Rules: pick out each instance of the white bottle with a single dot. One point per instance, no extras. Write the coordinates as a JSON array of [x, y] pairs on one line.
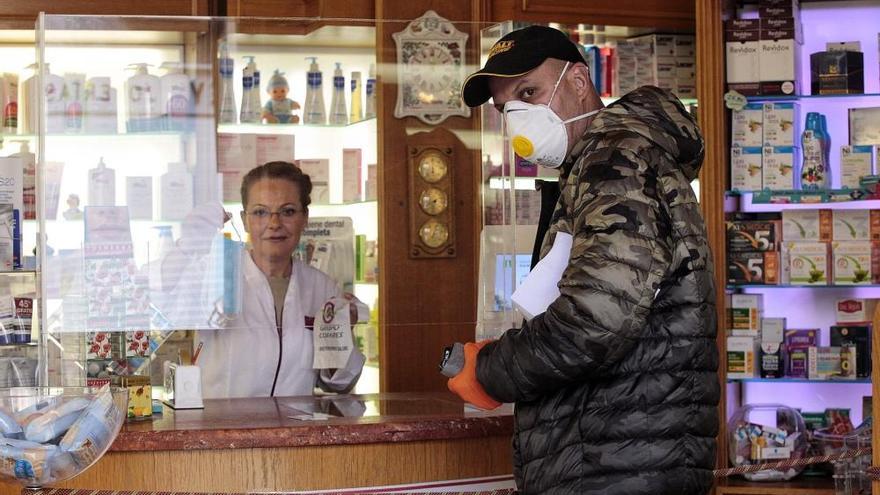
[[100, 109], [177, 97], [176, 192], [74, 102], [102, 185], [28, 180], [249, 114], [227, 95], [370, 112], [357, 113], [255, 94], [338, 112], [314, 112], [142, 100], [9, 104]]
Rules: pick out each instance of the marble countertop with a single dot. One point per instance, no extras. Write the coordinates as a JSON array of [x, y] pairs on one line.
[[311, 421]]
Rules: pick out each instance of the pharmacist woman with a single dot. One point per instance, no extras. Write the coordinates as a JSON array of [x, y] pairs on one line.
[[267, 350]]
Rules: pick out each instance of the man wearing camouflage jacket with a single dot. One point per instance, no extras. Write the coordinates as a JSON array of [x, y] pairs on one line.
[[615, 384]]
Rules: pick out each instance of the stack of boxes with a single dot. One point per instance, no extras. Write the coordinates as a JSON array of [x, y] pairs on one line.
[[663, 60], [759, 346], [762, 54], [764, 152]]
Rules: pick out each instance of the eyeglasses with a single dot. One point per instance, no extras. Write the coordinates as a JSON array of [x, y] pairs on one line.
[[261, 214]]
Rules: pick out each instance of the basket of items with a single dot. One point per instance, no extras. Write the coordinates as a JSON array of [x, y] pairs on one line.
[[761, 433], [53, 434]]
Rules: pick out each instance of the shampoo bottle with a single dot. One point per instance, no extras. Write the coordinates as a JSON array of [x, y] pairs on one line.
[[338, 112], [314, 112], [814, 171], [28, 180], [142, 96], [176, 97], [176, 194], [102, 185], [370, 112], [250, 114], [255, 93], [227, 95], [356, 112]]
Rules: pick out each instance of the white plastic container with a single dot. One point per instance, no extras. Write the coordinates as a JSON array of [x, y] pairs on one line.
[[370, 107], [250, 113], [102, 185], [357, 113], [29, 180], [176, 192], [74, 102]]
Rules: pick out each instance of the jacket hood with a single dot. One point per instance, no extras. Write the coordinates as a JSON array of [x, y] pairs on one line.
[[666, 123]]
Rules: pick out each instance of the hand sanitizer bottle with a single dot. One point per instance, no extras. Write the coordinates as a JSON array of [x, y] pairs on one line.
[[227, 95], [338, 112], [142, 104], [314, 112], [370, 112]]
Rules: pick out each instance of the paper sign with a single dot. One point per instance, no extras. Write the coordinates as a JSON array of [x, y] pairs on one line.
[[332, 335]]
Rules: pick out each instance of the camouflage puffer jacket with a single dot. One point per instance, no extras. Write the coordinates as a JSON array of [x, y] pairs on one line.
[[615, 384]]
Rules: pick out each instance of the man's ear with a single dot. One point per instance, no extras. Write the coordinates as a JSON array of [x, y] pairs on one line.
[[579, 76]]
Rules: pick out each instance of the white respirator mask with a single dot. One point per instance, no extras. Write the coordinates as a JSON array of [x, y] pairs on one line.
[[536, 132]]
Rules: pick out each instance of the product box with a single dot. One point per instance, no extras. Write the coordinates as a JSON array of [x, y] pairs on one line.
[[852, 262], [829, 363], [745, 168], [855, 162], [139, 197], [778, 61], [742, 40], [806, 225], [747, 126], [372, 185], [778, 168], [851, 311], [351, 175], [851, 225], [318, 170], [772, 336], [778, 8], [864, 126], [797, 343], [837, 72], [809, 263], [858, 336], [744, 314], [779, 123], [753, 235], [741, 357], [753, 268]]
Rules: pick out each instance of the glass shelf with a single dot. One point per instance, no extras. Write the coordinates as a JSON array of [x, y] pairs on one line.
[[120, 135], [278, 128], [26, 344], [799, 286], [806, 197], [795, 380], [808, 97], [7, 273]]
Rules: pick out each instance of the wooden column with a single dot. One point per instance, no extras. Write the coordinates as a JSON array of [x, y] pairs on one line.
[[713, 177], [424, 304]]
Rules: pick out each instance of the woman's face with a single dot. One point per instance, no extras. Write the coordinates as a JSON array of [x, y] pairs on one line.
[[275, 217]]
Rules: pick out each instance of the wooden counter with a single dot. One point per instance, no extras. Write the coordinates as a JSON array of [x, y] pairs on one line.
[[305, 443]]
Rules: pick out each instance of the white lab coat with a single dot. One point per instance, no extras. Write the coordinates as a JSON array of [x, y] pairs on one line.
[[241, 359]]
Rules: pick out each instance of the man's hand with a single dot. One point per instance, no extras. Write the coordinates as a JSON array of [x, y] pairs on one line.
[[465, 384]]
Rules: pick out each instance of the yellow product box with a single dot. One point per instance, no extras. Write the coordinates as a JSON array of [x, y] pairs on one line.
[[809, 263], [140, 400], [741, 357], [852, 262], [745, 311]]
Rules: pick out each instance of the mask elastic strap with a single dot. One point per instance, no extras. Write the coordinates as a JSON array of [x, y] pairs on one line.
[[555, 87], [579, 117]]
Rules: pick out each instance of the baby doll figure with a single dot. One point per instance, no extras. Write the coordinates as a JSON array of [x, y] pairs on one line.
[[279, 109]]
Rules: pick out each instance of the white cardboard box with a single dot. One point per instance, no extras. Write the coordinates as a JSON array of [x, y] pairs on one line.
[[747, 126], [809, 263], [745, 168], [778, 168], [855, 163], [852, 262], [779, 123], [851, 225]]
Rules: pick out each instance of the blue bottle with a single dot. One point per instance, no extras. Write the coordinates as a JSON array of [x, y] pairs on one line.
[[814, 171], [826, 148]]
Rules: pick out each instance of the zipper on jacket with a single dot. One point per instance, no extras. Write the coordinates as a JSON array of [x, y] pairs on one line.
[[280, 350]]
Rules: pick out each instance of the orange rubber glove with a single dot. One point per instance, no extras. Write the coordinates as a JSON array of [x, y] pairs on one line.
[[465, 384]]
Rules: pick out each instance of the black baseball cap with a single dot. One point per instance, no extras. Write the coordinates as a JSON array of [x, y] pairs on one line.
[[516, 54]]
